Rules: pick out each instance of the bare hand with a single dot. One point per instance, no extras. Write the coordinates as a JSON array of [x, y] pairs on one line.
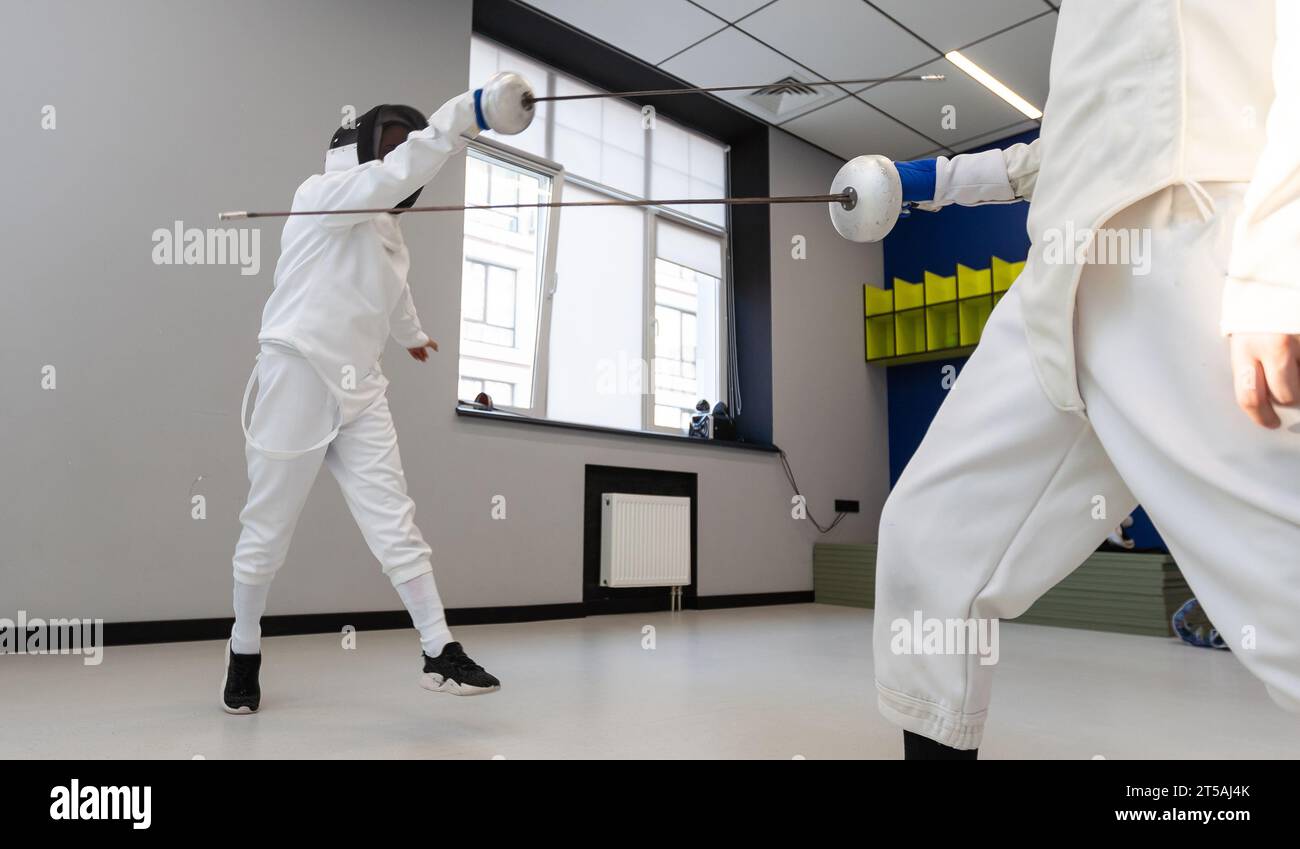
[[420, 353], [1265, 371]]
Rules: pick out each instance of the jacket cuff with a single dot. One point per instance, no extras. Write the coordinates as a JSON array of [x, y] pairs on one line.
[[970, 179], [1250, 306], [418, 341], [457, 117]]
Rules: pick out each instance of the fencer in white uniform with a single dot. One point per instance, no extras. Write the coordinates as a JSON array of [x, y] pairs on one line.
[[1164, 374], [340, 291]]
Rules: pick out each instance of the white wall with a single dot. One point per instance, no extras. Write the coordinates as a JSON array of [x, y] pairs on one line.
[[171, 111], [830, 414]]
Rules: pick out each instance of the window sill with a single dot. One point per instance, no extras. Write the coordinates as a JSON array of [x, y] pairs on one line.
[[514, 418]]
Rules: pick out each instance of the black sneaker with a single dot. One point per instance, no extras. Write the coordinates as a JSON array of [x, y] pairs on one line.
[[453, 672], [240, 692]]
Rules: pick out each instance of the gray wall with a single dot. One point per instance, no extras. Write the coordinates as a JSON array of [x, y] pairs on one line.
[[173, 111]]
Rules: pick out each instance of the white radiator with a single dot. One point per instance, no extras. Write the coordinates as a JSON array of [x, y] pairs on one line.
[[645, 540]]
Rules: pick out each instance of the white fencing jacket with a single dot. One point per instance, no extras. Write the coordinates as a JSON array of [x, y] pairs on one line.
[[340, 283], [1147, 94]]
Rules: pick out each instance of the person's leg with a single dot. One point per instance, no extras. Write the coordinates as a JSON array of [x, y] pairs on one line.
[[1223, 493], [918, 748], [420, 597], [368, 466], [1005, 496], [294, 409], [365, 460]]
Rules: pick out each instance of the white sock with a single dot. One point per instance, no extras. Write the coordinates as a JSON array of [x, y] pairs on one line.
[[420, 595], [250, 604]]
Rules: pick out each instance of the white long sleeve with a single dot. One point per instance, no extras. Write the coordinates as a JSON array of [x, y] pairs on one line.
[[1262, 291], [404, 323], [970, 179], [1022, 168], [385, 183], [341, 286]]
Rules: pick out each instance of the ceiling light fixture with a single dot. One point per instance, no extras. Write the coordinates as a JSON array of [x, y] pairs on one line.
[[993, 84]]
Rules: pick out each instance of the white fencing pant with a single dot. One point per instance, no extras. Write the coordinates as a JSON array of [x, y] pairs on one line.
[[999, 502], [295, 410]]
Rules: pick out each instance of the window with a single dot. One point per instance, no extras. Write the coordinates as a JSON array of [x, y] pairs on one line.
[[488, 304], [501, 280], [686, 349], [675, 344], [610, 316]]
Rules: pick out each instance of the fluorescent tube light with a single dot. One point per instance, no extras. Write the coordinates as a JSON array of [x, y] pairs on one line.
[[993, 84]]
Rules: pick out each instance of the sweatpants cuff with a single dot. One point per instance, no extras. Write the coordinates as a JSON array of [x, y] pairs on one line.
[[942, 725], [402, 574]]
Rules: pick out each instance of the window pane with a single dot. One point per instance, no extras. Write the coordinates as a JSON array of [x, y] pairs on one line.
[[623, 156], [686, 361], [578, 150], [596, 371], [599, 326], [687, 164], [671, 417], [472, 291], [476, 181], [671, 145], [600, 140], [501, 297], [501, 291], [469, 388], [503, 394], [668, 339], [688, 337], [691, 248], [708, 161]]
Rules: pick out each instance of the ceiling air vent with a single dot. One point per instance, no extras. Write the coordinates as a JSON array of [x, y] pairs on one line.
[[787, 96]]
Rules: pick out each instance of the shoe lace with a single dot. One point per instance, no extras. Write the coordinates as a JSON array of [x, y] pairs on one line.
[[462, 662]]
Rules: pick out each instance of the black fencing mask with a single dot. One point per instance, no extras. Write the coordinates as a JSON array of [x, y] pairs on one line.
[[354, 145]]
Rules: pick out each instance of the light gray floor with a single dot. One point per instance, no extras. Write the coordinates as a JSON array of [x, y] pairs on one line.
[[769, 682]]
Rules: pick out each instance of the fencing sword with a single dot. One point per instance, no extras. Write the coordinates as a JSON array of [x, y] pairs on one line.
[[791, 87], [848, 199]]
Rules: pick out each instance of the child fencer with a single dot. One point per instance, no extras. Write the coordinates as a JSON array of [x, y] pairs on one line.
[[1149, 353], [340, 291]]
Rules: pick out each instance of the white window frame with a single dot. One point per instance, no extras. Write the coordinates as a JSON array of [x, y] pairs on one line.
[[648, 308], [494, 149], [514, 298], [541, 360]]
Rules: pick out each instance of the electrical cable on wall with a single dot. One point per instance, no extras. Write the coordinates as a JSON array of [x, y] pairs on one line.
[[785, 464]]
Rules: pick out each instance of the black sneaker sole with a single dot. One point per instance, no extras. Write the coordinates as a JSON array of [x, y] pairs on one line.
[[435, 683]]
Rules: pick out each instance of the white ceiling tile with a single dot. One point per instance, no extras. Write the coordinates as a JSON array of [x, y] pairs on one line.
[[732, 9], [948, 25], [923, 106], [849, 128], [839, 39], [649, 31], [1020, 58], [733, 58]]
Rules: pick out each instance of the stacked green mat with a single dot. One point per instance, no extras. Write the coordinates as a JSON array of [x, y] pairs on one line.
[[1112, 591], [844, 574]]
